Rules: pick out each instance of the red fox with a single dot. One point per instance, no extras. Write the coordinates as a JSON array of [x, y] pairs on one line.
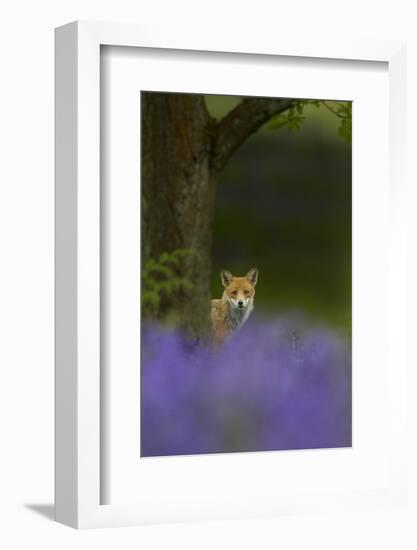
[[229, 313]]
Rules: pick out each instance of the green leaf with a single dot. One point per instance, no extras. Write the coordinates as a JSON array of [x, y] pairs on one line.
[[150, 298], [294, 116], [162, 277]]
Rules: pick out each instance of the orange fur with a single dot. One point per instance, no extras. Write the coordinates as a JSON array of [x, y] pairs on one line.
[[228, 313]]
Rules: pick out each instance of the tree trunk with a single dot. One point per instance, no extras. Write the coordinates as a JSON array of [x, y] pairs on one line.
[[177, 196]]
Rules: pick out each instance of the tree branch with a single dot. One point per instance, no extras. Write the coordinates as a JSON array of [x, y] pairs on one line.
[[240, 123]]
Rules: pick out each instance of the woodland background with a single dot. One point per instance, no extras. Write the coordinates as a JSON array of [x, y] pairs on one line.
[[232, 182]]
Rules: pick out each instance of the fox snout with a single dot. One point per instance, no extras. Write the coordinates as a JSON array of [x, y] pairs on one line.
[[239, 303]]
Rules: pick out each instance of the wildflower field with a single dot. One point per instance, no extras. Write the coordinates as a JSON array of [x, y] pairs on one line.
[[278, 384]]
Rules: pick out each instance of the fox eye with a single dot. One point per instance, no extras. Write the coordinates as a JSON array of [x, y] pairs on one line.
[[234, 293], [246, 292]]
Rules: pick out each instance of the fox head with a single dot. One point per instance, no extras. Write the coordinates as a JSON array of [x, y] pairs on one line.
[[240, 291]]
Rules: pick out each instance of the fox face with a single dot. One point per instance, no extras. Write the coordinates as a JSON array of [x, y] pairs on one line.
[[240, 291], [229, 313]]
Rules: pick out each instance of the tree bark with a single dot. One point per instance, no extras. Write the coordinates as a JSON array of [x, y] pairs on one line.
[[177, 196], [182, 151], [241, 122]]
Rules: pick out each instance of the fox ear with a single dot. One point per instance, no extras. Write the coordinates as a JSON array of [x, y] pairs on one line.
[[252, 276], [226, 277]]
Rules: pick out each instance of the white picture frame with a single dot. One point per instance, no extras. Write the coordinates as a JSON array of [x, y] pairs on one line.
[[78, 427]]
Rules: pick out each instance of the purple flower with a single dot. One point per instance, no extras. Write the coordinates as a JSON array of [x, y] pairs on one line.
[[277, 384]]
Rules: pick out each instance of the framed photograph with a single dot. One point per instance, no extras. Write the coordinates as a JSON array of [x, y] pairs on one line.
[[230, 275]]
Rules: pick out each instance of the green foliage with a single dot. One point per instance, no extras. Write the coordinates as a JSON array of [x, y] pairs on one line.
[[162, 278], [291, 118], [343, 110], [294, 116]]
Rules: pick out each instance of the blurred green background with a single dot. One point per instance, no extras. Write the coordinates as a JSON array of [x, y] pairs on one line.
[[284, 205]]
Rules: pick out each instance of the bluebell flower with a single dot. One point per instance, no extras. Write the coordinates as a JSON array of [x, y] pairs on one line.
[[278, 384]]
